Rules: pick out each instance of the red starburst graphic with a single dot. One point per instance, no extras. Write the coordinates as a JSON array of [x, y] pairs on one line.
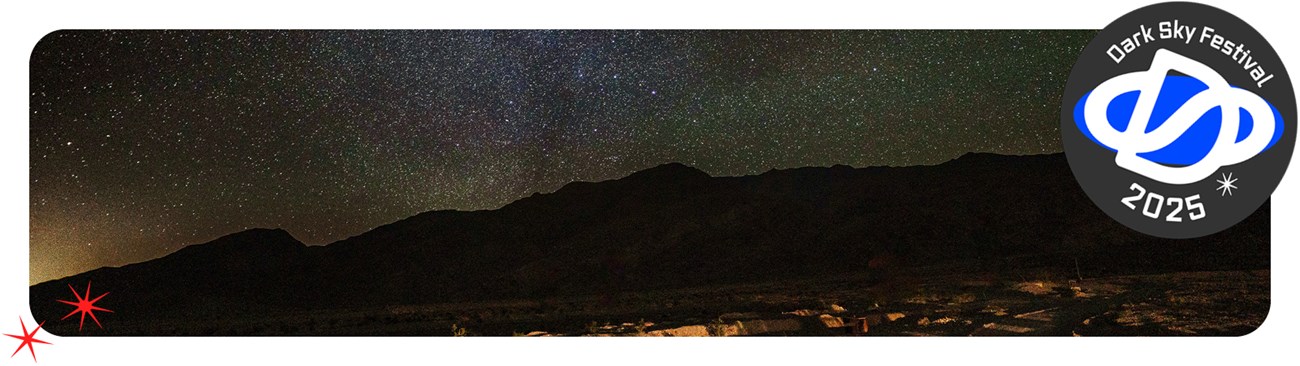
[[28, 339], [85, 306]]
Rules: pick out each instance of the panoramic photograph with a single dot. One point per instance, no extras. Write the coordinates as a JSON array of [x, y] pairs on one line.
[[591, 183]]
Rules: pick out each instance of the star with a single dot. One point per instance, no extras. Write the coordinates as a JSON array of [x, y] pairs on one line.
[[1225, 184], [404, 113], [85, 306], [28, 339]]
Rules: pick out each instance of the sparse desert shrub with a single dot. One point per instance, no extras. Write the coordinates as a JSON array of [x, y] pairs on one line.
[[1035, 287], [640, 328], [720, 328], [963, 299], [457, 331]]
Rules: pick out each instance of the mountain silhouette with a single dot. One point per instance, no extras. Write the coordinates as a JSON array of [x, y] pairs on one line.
[[670, 226]]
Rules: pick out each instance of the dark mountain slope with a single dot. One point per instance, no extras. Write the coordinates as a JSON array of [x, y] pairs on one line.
[[667, 227]]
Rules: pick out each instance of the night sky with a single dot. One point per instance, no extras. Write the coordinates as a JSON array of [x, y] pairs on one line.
[[146, 141]]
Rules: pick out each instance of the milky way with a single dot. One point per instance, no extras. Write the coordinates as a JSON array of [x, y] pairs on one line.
[[145, 141]]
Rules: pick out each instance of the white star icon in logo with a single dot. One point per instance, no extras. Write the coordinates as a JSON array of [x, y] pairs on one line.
[[1225, 184]]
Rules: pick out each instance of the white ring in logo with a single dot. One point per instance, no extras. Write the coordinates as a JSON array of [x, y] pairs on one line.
[[1135, 140]]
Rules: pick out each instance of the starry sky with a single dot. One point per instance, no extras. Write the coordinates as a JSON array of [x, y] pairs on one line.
[[145, 141]]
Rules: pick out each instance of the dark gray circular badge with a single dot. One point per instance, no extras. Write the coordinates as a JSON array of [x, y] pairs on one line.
[[1178, 120]]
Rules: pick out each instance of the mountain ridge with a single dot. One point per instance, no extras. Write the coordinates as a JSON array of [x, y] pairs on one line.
[[671, 226]]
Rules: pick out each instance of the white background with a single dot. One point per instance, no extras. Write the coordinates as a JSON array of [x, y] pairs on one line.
[[24, 24]]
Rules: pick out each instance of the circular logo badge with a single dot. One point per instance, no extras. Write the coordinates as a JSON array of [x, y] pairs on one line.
[[1178, 120]]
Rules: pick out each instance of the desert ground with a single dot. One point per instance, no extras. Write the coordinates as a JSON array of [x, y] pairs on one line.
[[930, 302]]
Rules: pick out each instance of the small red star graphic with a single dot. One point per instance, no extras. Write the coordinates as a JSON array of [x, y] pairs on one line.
[[84, 306], [28, 339]]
